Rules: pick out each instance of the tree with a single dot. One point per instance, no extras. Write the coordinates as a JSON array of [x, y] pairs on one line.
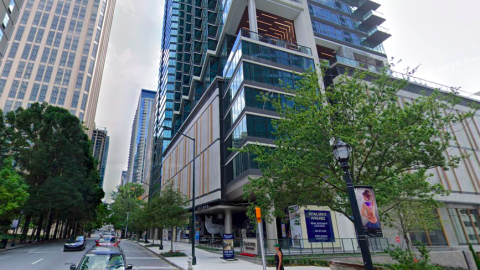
[[13, 190], [54, 156], [413, 216], [126, 199], [169, 210], [393, 146]]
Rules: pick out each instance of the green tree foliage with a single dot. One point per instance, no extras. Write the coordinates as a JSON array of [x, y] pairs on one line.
[[475, 255], [169, 210], [392, 146], [54, 156], [126, 199], [13, 190]]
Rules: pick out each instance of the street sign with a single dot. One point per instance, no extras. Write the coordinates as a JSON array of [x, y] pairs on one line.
[[228, 248], [397, 239], [15, 224]]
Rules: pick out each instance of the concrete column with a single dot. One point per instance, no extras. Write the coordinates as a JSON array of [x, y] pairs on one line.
[[272, 236], [252, 16], [228, 221]]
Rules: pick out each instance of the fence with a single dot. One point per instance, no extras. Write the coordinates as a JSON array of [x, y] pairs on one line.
[[310, 246]]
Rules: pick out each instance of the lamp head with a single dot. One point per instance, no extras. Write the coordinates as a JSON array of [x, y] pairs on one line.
[[341, 150]]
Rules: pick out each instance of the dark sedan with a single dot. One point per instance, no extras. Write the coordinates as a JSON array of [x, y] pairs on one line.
[[75, 243]]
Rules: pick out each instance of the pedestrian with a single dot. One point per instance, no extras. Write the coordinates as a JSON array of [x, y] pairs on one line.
[[278, 258]]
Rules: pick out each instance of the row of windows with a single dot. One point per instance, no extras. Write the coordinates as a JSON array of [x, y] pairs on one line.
[[251, 125], [466, 223], [239, 164], [332, 17], [271, 76]]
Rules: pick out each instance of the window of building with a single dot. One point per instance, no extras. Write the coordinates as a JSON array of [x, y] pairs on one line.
[[7, 68], [46, 53], [71, 60], [55, 21], [11, 6], [6, 20], [50, 38], [26, 51], [44, 20], [63, 58], [83, 63], [49, 5], [66, 77], [18, 104], [58, 39], [25, 16], [466, 223], [61, 98], [8, 106], [59, 76], [87, 83], [13, 50], [84, 101], [32, 33], [40, 71], [79, 82], [36, 19], [53, 56], [54, 96], [33, 55], [43, 94], [28, 71], [76, 96], [2, 86], [75, 43], [20, 69], [14, 89], [19, 34], [39, 37], [58, 10], [61, 24], [23, 90], [48, 74]]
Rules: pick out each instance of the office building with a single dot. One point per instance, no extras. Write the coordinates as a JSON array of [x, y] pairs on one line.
[[56, 55], [218, 56], [9, 12], [123, 178], [100, 140], [138, 141]]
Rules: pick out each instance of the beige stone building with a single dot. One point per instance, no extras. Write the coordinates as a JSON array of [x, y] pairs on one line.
[[56, 55]]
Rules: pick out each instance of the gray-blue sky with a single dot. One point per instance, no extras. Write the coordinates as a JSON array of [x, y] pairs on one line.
[[441, 36]]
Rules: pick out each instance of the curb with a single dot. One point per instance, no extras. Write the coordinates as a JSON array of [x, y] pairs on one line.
[[164, 258]]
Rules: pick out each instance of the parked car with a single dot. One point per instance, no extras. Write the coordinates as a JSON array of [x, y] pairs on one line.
[[107, 241], [75, 243], [103, 258]]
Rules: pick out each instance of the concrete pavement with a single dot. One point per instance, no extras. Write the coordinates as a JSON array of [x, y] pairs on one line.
[[213, 261], [50, 256]]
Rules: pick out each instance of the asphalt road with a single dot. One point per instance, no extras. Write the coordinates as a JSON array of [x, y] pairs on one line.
[[50, 256]]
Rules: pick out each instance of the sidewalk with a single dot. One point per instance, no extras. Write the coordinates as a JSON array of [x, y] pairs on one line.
[[213, 261]]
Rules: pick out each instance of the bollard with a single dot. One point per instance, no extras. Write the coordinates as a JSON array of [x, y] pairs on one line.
[[190, 260]]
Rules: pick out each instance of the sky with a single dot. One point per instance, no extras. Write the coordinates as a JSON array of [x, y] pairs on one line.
[[439, 35]]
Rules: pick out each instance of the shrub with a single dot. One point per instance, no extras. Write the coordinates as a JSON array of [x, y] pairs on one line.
[[173, 254], [409, 261]]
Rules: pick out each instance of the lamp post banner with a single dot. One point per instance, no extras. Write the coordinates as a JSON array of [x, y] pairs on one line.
[[367, 205]]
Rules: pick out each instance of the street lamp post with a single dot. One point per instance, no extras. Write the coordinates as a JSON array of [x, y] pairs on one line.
[[18, 224], [342, 153], [192, 229], [126, 227]]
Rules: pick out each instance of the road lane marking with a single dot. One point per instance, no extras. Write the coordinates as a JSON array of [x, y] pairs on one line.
[[37, 261], [33, 249], [143, 258], [155, 267]]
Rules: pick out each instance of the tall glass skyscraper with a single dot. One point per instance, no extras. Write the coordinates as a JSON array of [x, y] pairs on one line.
[[101, 143], [219, 56], [140, 128], [57, 55]]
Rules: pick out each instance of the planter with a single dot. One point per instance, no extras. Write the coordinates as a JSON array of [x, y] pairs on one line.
[[334, 265]]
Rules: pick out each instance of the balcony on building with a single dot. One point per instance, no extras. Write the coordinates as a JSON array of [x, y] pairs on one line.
[[371, 19], [364, 6], [376, 36]]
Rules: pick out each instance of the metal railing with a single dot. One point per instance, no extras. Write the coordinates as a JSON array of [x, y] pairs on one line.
[[378, 28], [310, 246], [275, 41]]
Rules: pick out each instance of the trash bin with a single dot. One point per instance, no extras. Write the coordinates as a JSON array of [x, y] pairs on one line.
[[3, 243]]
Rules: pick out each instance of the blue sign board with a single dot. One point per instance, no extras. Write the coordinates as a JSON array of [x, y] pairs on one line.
[[228, 249], [319, 226]]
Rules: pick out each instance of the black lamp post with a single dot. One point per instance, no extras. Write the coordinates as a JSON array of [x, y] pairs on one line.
[[342, 151], [192, 229]]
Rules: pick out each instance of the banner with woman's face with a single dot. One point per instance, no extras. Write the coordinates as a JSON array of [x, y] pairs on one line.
[[368, 210]]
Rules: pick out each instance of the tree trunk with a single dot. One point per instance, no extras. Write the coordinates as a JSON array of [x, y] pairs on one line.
[[75, 228], [66, 229], [33, 234], [48, 226], [171, 242], [39, 227], [62, 227], [56, 229], [25, 228]]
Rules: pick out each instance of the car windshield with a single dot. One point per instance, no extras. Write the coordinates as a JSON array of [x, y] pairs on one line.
[[79, 238], [102, 262], [108, 240]]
